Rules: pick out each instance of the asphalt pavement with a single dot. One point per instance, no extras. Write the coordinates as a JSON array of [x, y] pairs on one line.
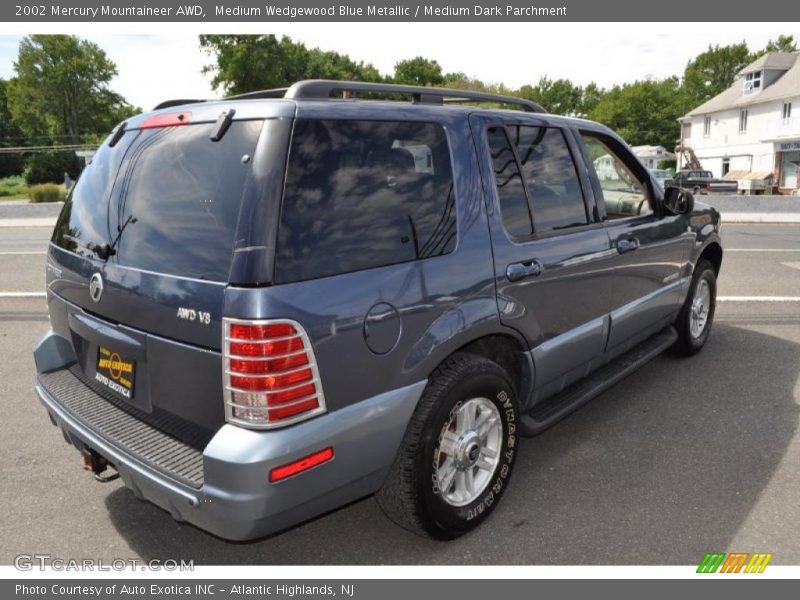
[[684, 457]]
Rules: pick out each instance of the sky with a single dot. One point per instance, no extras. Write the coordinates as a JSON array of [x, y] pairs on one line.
[[156, 63]]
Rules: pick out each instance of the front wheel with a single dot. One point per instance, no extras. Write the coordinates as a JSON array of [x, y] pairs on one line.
[[696, 316], [456, 457]]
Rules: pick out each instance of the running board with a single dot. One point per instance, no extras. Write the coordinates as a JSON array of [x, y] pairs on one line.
[[553, 409]]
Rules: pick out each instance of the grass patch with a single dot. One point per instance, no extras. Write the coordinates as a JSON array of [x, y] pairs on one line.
[[46, 192], [13, 188]]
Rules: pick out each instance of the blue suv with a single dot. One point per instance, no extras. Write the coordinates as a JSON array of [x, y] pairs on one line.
[[268, 306]]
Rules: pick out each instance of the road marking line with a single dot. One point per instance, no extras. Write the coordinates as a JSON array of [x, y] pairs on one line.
[[762, 250], [758, 298], [19, 253], [22, 294]]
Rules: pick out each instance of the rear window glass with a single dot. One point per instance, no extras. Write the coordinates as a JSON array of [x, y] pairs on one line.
[[178, 211], [83, 221], [363, 194]]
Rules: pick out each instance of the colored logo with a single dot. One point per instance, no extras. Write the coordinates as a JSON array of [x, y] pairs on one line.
[[735, 562]]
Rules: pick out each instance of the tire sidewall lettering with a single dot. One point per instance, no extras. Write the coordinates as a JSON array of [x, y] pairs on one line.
[[494, 488]]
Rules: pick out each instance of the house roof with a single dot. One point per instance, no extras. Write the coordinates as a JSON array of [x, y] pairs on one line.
[[784, 87], [652, 151], [773, 60]]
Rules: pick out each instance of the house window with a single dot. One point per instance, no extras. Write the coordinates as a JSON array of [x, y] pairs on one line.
[[743, 121], [707, 126], [752, 82], [786, 113]]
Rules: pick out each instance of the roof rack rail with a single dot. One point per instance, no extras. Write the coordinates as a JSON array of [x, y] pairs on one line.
[[178, 102], [321, 89], [273, 93]]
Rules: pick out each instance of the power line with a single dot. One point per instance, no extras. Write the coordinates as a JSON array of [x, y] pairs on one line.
[[34, 149]]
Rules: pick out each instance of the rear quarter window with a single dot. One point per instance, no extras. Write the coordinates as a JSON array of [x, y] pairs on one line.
[[364, 194]]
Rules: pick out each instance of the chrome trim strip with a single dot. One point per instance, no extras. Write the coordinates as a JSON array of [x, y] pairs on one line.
[[274, 374]]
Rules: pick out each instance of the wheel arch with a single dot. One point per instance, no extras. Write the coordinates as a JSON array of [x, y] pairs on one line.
[[713, 254], [506, 350]]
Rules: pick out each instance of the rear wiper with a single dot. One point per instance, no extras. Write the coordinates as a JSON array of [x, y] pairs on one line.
[[105, 250]]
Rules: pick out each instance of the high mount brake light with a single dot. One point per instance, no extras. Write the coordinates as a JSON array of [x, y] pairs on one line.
[[270, 374], [166, 120]]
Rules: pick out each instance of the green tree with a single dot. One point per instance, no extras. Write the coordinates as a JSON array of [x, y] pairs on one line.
[[247, 63], [713, 71], [592, 95], [418, 71], [62, 89], [558, 96], [50, 166], [643, 112], [783, 43], [10, 136]]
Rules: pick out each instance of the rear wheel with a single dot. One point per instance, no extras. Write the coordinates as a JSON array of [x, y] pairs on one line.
[[456, 457], [696, 316]]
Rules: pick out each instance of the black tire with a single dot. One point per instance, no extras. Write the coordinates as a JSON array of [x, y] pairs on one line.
[[688, 342], [697, 191], [410, 496]]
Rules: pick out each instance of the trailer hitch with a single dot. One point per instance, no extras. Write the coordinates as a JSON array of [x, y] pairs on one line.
[[98, 464]]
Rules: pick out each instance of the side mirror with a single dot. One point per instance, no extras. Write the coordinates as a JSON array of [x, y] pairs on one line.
[[678, 201]]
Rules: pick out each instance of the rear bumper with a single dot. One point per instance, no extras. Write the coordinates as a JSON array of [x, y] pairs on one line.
[[236, 500]]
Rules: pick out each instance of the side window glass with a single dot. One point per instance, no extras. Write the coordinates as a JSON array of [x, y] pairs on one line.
[[623, 193], [551, 177], [514, 208], [364, 194]]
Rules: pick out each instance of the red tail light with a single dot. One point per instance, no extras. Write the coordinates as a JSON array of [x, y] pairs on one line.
[[270, 374]]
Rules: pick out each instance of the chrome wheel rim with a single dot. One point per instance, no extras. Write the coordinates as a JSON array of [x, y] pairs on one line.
[[468, 451], [701, 306]]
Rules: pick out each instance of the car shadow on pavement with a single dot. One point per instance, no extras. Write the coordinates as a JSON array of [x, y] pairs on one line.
[[664, 467]]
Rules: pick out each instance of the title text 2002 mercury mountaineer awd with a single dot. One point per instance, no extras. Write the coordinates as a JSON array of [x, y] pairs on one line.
[[266, 307]]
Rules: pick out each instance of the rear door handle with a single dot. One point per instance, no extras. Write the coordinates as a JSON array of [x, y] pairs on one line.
[[522, 270], [627, 245]]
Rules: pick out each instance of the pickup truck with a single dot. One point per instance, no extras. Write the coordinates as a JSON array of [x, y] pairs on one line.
[[703, 182]]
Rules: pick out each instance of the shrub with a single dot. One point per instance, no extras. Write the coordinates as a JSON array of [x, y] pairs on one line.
[[49, 167], [13, 187], [669, 163], [46, 192]]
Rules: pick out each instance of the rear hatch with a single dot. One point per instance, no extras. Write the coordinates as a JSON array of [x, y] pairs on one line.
[[141, 255]]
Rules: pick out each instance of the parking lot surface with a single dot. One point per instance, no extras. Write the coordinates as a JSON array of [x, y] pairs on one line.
[[684, 457]]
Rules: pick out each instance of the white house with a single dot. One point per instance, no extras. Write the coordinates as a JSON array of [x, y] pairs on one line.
[[753, 127], [652, 155], [649, 155]]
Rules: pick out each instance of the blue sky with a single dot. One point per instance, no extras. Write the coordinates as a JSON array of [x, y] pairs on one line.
[[156, 66]]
